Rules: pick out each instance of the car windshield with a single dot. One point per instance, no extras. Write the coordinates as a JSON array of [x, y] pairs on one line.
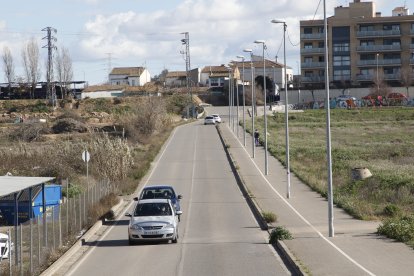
[[209, 117], [166, 193], [153, 209]]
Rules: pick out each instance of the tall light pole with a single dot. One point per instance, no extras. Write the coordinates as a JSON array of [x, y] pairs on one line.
[[253, 98], [237, 110], [377, 75], [244, 102], [229, 95], [186, 41], [232, 94], [328, 128], [265, 103], [286, 107]]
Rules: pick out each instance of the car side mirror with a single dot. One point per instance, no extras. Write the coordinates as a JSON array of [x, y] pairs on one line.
[[135, 198], [128, 215], [179, 213], [179, 196]]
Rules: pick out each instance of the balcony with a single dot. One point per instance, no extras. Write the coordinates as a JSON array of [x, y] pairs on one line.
[[365, 77], [411, 60], [378, 48], [312, 50], [380, 33], [412, 31], [375, 62], [313, 64], [412, 46], [392, 76], [316, 36], [312, 79]]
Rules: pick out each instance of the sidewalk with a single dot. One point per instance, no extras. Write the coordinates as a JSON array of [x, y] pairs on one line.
[[355, 249]]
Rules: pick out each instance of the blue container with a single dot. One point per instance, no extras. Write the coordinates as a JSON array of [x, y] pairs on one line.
[[53, 196]]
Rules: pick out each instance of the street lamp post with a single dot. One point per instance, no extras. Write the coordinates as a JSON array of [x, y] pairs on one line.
[[265, 103], [253, 98], [286, 107], [377, 75], [244, 102], [229, 95]]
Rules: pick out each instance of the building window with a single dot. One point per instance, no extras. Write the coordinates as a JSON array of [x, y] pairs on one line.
[[320, 30], [321, 59], [392, 56], [133, 82], [307, 30], [321, 44], [389, 27], [341, 60], [392, 42], [342, 75], [364, 28], [308, 45], [308, 73], [367, 42], [341, 47], [308, 59], [367, 57]]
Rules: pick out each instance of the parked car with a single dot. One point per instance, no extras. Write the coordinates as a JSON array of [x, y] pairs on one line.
[[345, 98], [217, 118], [4, 246], [396, 96], [209, 120], [161, 191], [153, 220]]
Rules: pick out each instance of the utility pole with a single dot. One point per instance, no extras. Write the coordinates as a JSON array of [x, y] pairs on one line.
[[50, 93], [109, 66], [186, 41]]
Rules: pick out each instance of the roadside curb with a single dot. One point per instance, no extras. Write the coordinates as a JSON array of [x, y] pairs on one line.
[[51, 270], [280, 246]]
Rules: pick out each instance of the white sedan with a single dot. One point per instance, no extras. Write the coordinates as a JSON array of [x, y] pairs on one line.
[[217, 118]]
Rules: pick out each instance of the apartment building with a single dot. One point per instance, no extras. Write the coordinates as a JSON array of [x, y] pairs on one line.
[[364, 47]]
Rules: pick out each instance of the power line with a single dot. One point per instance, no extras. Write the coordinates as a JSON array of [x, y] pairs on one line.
[[293, 44]]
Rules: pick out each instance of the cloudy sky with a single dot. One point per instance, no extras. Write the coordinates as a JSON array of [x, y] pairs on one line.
[[148, 33]]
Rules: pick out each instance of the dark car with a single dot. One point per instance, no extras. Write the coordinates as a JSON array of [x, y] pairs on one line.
[[162, 191]]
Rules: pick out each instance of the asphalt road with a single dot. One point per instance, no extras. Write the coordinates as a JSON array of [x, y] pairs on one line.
[[218, 234]]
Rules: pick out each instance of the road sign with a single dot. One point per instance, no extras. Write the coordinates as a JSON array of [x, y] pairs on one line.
[[86, 156]]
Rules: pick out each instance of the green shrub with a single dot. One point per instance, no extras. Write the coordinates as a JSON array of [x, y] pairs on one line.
[[392, 210], [279, 233], [269, 217], [72, 191], [400, 229], [40, 107]]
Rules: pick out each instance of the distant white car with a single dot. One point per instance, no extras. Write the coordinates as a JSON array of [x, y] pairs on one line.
[[4, 246], [209, 120], [345, 98], [217, 118]]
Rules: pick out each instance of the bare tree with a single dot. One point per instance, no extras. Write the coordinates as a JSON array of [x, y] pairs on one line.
[[8, 66], [64, 71], [30, 57], [406, 79]]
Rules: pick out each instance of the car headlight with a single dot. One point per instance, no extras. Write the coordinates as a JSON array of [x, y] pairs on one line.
[[169, 226], [136, 227]]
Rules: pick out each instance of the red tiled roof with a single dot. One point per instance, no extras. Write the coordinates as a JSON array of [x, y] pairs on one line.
[[130, 71]]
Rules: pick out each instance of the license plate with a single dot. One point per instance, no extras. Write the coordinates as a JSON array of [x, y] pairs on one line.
[[151, 232]]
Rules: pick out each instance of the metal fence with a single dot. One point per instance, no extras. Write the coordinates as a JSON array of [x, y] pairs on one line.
[[41, 240]]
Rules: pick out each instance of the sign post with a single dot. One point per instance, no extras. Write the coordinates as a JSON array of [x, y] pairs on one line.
[[86, 157]]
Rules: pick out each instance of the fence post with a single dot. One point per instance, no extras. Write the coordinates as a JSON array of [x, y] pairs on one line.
[[80, 212], [38, 241], [84, 207], [10, 256], [53, 228], [60, 226], [31, 246], [21, 248], [74, 214]]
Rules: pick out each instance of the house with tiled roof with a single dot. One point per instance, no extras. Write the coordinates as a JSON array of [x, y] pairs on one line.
[[274, 70], [215, 76], [176, 79], [131, 76]]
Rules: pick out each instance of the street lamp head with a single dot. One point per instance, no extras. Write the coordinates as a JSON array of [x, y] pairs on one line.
[[277, 21], [259, 41], [240, 56], [248, 50]]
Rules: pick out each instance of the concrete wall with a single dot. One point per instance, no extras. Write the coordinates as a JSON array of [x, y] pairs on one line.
[[320, 95]]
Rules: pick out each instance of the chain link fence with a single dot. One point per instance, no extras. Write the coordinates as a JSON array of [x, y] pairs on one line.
[[38, 242]]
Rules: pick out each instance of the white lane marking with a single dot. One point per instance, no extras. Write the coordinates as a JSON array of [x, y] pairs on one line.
[[300, 216], [187, 223], [83, 258]]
